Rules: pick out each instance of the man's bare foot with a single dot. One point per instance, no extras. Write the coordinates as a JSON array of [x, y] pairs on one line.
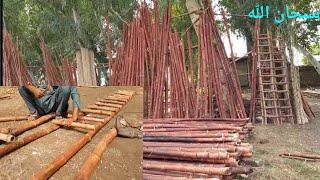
[[33, 117]]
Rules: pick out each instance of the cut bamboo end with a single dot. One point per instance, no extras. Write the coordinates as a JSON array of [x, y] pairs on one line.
[[6, 137], [19, 143], [74, 124]]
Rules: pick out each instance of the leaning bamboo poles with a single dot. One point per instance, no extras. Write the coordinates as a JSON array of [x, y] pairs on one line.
[[62, 159], [53, 75], [128, 68], [168, 90], [69, 73], [195, 148], [14, 69], [93, 159]]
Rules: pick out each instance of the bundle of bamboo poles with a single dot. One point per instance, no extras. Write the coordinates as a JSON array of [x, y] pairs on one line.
[[128, 68], [15, 72], [149, 43], [196, 147], [53, 76], [69, 73]]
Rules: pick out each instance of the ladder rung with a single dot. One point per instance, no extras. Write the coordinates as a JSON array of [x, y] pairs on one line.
[[282, 67], [285, 107], [277, 83], [277, 75], [277, 91], [276, 99]]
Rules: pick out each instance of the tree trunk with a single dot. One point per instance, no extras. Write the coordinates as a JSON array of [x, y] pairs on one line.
[[300, 114], [86, 74], [193, 7]]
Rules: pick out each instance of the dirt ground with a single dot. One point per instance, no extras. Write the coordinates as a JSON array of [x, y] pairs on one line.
[[270, 140], [121, 160]]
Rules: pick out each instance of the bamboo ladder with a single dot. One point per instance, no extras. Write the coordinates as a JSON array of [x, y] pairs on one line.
[[273, 80]]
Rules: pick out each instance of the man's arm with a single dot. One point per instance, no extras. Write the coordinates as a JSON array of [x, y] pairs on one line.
[[38, 93]]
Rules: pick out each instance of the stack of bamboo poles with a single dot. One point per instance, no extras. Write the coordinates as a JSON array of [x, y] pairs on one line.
[[14, 70], [195, 148], [218, 78], [53, 76], [107, 107]]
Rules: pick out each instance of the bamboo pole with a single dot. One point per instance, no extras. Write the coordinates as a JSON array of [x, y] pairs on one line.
[[185, 167], [5, 96], [88, 118], [6, 137], [50, 169], [93, 159], [191, 155], [6, 149], [75, 125], [303, 155], [108, 104], [13, 118], [108, 113], [32, 124], [103, 108]]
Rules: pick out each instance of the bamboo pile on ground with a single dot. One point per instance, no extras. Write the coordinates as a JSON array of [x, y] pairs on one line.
[[196, 147]]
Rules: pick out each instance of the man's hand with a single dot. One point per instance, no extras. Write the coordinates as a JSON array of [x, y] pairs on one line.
[[68, 122], [38, 93]]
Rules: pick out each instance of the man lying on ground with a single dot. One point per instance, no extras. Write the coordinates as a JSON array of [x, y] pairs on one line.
[[42, 101]]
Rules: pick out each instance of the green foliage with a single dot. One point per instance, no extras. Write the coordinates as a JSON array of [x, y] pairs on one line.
[[315, 50], [54, 20]]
